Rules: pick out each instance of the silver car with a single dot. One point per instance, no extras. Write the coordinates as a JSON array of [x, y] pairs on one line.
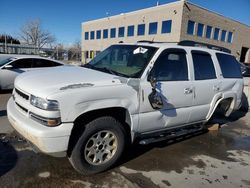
[[13, 65]]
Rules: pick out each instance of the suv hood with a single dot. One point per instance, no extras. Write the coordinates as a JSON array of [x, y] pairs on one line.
[[43, 83]]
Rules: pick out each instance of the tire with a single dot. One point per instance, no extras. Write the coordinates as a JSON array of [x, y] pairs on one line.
[[89, 156]]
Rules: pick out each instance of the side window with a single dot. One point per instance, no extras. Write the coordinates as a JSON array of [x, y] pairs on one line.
[[203, 66], [171, 65], [230, 67], [39, 63], [22, 63]]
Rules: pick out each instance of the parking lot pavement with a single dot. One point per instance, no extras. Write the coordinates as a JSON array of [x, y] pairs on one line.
[[206, 159], [4, 124]]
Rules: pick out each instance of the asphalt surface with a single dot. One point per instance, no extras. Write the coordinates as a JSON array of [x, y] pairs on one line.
[[219, 158]]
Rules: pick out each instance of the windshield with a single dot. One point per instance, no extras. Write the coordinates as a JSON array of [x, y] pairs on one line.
[[5, 60], [123, 60]]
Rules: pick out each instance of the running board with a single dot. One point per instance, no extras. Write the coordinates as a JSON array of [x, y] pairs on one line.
[[171, 134]]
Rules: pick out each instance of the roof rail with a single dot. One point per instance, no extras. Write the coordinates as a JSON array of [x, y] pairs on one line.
[[149, 41], [200, 44]]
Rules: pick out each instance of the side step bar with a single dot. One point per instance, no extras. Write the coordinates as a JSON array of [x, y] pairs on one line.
[[167, 135]]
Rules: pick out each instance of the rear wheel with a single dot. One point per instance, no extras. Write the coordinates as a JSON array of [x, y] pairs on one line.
[[99, 147]]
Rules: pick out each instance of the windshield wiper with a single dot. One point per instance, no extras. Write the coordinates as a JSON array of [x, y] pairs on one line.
[[104, 69]]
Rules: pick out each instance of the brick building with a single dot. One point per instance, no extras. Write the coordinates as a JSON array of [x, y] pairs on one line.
[[172, 22]]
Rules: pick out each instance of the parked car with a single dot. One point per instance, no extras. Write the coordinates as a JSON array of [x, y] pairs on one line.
[[143, 92], [245, 70], [13, 65]]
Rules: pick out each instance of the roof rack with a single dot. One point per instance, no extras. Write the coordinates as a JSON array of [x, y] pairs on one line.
[[150, 41], [191, 43], [205, 45]]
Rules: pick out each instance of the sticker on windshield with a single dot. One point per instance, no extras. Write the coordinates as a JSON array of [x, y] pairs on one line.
[[140, 50]]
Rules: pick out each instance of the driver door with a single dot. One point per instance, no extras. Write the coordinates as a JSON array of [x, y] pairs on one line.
[[173, 86]]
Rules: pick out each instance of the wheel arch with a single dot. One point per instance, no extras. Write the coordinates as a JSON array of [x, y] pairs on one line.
[[119, 113], [219, 99]]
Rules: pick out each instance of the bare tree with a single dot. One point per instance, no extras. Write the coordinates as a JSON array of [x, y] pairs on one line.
[[75, 51], [33, 33]]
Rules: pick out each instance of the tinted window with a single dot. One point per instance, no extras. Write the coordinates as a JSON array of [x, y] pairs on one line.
[[190, 28], [216, 33], [105, 33], [86, 35], [152, 28], [121, 32], [230, 37], [223, 35], [203, 66], [166, 26], [171, 66], [22, 63], [208, 32], [38, 63], [112, 33], [130, 30], [141, 29], [98, 34], [230, 67], [200, 29], [92, 35]]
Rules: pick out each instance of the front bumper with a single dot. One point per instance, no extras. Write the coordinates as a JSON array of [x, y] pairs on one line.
[[49, 140]]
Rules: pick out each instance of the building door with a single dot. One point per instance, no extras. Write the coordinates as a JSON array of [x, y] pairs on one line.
[[243, 54]]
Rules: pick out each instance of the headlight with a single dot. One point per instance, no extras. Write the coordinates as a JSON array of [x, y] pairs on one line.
[[44, 104]]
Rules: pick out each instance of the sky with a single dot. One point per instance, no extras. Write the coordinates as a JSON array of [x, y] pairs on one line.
[[63, 18]]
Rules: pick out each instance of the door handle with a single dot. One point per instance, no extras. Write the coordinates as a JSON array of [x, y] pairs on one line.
[[216, 88], [188, 91]]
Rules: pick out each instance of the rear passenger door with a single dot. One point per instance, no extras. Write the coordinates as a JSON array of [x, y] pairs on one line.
[[205, 83]]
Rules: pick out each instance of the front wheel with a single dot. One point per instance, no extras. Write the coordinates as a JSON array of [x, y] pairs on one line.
[[99, 147]]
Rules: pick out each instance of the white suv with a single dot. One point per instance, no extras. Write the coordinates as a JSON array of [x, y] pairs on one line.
[[144, 91]]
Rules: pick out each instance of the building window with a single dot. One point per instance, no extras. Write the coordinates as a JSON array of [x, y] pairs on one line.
[[223, 35], [98, 34], [86, 35], [105, 33], [92, 35], [208, 32], [152, 28], [112, 33], [190, 28], [216, 33], [121, 32], [166, 26], [130, 31], [200, 29], [141, 29], [230, 37]]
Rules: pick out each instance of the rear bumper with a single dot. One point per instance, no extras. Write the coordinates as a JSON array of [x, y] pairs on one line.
[[49, 140]]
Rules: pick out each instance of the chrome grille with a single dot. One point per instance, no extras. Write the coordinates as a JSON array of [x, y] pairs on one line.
[[21, 94], [22, 108]]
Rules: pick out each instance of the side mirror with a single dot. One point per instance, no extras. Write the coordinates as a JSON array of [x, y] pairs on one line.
[[152, 80], [154, 97], [8, 67]]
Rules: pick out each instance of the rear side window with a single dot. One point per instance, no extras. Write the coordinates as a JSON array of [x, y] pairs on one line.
[[38, 63], [171, 66], [230, 67], [22, 63], [203, 66]]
